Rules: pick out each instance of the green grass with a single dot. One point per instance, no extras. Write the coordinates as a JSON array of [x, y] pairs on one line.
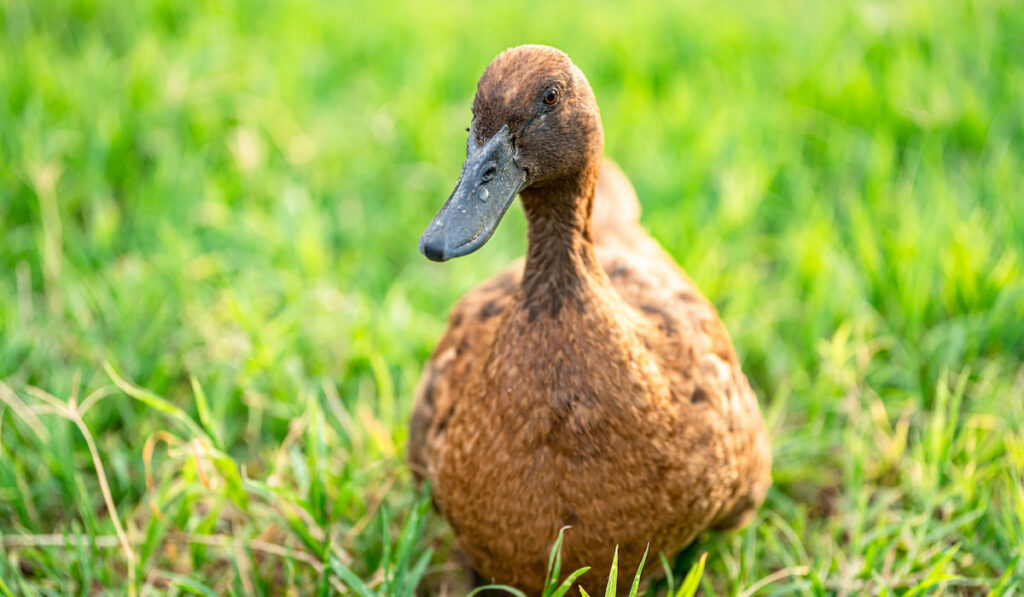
[[213, 313]]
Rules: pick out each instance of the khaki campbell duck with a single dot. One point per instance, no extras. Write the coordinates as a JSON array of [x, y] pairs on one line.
[[591, 387]]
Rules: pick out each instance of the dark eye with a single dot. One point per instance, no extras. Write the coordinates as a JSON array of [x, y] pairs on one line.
[[550, 96]]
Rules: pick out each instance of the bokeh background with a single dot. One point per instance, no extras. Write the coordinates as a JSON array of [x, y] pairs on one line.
[[213, 313]]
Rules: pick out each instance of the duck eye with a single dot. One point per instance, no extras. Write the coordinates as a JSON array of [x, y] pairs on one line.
[[550, 96]]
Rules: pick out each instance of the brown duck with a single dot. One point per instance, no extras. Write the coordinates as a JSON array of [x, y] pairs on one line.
[[592, 387]]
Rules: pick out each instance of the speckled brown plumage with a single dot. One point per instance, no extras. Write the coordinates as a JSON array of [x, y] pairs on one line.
[[591, 387]]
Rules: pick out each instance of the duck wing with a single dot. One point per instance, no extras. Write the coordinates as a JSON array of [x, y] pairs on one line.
[[686, 332]]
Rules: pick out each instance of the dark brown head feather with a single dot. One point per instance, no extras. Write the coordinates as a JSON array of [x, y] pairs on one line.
[[551, 141]]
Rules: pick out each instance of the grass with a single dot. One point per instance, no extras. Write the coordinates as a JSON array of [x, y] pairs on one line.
[[213, 313]]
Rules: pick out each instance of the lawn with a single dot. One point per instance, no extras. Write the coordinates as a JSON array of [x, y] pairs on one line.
[[213, 313]]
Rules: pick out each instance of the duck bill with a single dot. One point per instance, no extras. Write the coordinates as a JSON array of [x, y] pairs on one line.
[[490, 180]]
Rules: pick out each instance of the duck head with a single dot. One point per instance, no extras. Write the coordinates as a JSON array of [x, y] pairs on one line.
[[535, 124]]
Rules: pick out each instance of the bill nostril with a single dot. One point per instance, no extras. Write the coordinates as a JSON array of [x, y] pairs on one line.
[[488, 174]]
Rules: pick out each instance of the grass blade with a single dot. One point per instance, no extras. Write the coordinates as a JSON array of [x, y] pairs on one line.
[[935, 575], [1008, 577], [153, 401], [554, 562], [412, 530], [385, 546], [567, 583], [636, 579], [416, 574], [670, 578], [228, 469], [189, 585], [692, 580], [203, 410], [506, 588], [613, 575], [3, 587], [350, 579]]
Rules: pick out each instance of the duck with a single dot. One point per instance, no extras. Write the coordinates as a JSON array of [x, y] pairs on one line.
[[590, 387]]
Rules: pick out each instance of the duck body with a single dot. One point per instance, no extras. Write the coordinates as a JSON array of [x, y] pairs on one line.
[[590, 387]]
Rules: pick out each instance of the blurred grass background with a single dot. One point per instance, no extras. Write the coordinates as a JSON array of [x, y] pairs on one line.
[[221, 201]]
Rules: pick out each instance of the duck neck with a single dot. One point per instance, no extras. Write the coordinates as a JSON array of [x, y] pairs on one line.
[[561, 265]]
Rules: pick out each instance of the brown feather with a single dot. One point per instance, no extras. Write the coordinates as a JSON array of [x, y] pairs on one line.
[[592, 386]]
